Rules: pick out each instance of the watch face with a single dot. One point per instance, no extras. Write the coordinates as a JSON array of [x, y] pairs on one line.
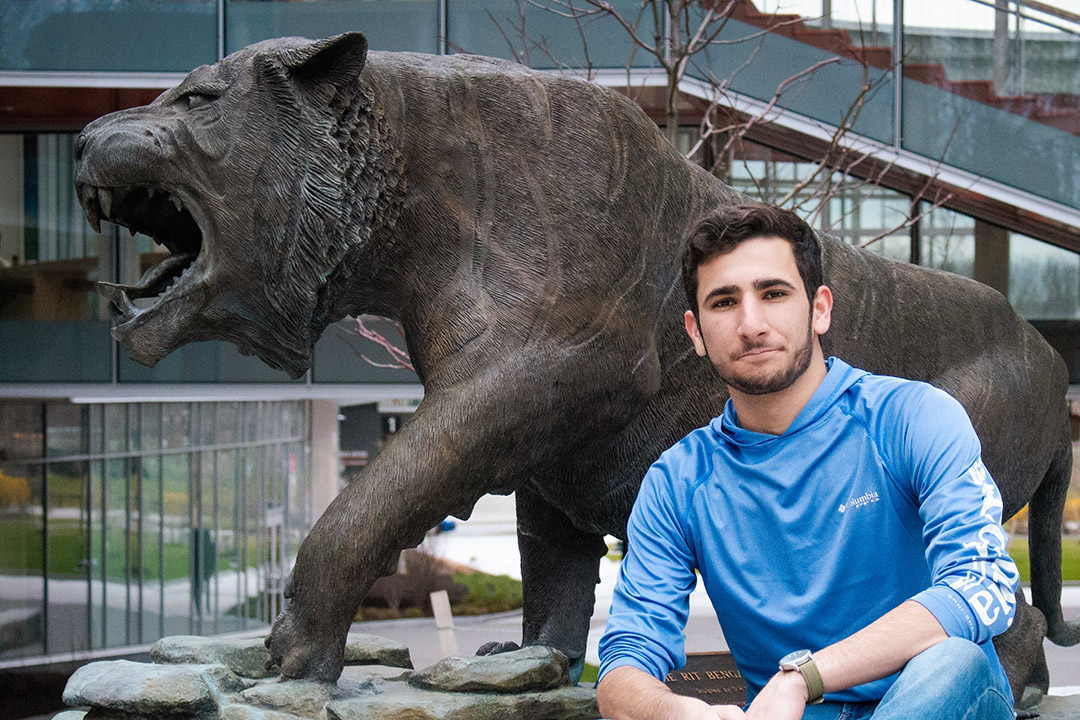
[[795, 658]]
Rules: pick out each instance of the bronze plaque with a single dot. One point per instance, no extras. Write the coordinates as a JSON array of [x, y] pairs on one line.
[[711, 677]]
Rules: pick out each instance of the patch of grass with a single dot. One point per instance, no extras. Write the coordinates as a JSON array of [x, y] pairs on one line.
[[1070, 558], [21, 551], [488, 593], [589, 674], [381, 613], [249, 607]]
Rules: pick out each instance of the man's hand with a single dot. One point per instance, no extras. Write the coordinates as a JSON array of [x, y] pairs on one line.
[[692, 709], [718, 712], [697, 710], [782, 698], [627, 693]]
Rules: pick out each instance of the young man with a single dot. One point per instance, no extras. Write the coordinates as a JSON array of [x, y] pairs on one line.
[[827, 510]]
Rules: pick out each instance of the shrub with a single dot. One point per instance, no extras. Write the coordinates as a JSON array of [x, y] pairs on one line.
[[14, 491]]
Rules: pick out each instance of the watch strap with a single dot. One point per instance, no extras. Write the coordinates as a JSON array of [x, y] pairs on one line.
[[815, 686], [803, 661]]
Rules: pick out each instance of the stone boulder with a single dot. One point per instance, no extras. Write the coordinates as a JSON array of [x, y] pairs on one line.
[[528, 684], [306, 698], [567, 703], [361, 649], [125, 688], [528, 669], [247, 657]]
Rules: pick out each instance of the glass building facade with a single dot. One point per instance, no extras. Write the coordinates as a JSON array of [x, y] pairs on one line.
[[1042, 281], [121, 523]]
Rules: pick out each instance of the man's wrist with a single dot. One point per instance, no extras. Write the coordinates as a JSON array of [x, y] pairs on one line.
[[793, 682], [801, 663]]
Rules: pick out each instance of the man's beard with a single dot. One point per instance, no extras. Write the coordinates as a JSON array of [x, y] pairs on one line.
[[782, 380]]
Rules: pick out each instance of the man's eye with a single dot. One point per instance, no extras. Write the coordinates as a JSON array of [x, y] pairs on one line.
[[774, 294], [197, 100], [723, 303]]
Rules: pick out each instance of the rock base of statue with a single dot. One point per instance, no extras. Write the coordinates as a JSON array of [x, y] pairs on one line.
[[1059, 707], [226, 679]]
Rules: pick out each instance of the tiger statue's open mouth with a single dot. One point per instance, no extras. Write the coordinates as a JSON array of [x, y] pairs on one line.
[[171, 217]]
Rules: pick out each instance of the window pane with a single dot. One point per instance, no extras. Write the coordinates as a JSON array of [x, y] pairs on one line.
[[126, 35], [177, 532], [987, 90], [342, 355], [226, 540], [1044, 281], [50, 258], [151, 546], [206, 362], [20, 430], [69, 556], [541, 35], [400, 25], [146, 542], [98, 616], [849, 208], [22, 582], [67, 430], [948, 241], [840, 75], [118, 548]]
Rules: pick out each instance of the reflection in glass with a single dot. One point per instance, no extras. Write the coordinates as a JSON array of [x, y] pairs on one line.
[[979, 76], [126, 35], [150, 542], [50, 258], [116, 578], [68, 552], [852, 210], [1044, 281], [948, 242], [541, 35], [176, 542], [98, 615], [866, 24], [410, 25], [20, 430], [161, 519], [67, 429], [22, 583]]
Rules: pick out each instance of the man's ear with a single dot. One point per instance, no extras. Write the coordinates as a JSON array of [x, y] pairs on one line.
[[822, 309], [694, 331]]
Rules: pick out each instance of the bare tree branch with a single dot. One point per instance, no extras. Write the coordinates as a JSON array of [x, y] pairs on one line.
[[682, 35], [399, 358]]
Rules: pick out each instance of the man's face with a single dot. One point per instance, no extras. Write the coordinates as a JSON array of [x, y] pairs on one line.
[[754, 321]]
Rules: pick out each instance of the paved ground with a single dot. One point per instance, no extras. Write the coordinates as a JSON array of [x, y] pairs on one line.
[[488, 542]]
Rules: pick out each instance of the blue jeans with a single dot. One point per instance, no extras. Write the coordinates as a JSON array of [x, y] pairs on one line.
[[950, 681]]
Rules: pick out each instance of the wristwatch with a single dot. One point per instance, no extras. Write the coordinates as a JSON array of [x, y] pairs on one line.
[[803, 661]]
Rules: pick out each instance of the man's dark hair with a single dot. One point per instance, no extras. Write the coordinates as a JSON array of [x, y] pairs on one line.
[[724, 228]]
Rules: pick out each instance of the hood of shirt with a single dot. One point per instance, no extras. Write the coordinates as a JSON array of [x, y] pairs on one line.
[[838, 378]]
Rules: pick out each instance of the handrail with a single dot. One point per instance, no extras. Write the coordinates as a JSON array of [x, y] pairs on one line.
[[1043, 8], [1049, 10]]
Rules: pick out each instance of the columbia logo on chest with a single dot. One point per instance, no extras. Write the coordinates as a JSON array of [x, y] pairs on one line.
[[856, 503]]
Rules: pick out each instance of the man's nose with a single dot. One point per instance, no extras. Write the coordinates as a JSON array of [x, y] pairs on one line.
[[752, 320]]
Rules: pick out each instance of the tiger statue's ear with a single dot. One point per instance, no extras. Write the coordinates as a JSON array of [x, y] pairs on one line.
[[320, 65]]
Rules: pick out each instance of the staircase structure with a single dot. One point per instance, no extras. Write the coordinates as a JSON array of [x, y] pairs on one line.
[[1058, 110], [932, 124]]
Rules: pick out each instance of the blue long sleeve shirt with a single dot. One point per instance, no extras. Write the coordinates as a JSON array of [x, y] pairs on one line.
[[874, 495]]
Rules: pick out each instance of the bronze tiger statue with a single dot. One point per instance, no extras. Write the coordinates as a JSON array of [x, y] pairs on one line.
[[525, 229]]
